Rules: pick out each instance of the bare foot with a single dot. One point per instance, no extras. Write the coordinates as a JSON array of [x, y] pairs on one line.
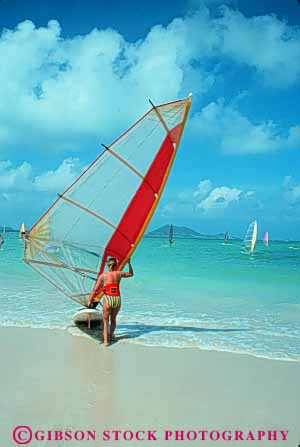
[[105, 345]]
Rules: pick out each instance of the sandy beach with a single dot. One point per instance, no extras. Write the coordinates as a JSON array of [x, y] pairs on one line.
[[52, 380]]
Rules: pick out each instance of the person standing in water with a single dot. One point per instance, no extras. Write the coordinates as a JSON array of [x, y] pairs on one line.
[[109, 283]]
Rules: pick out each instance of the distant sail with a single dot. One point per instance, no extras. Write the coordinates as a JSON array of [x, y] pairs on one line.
[[171, 235], [226, 238], [266, 239], [250, 237], [106, 211], [22, 230]]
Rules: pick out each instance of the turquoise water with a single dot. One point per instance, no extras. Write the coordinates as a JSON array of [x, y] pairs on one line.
[[197, 293]]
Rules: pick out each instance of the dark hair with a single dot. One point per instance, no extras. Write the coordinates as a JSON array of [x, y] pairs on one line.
[[112, 259]]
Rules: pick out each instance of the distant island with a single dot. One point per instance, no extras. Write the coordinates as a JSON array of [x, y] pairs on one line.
[[184, 233]]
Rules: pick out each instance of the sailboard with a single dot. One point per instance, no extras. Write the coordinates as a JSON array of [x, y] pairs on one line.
[[171, 236], [89, 317], [106, 211], [250, 237], [266, 239]]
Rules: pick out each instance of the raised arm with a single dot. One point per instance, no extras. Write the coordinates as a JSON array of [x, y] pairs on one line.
[[130, 270]]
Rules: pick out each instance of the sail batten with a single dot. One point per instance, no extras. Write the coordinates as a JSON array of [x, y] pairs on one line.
[[107, 209], [83, 208], [132, 168]]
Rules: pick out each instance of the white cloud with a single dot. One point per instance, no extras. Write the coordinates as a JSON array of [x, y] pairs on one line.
[[266, 43], [15, 178], [203, 189], [219, 199], [233, 132], [208, 200], [56, 93], [21, 179], [291, 191], [57, 180]]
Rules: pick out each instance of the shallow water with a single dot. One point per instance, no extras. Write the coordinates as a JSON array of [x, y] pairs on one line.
[[201, 294]]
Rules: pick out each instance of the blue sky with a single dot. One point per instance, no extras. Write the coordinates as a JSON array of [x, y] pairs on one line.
[[71, 78]]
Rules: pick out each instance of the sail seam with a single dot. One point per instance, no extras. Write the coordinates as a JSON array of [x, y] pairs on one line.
[[87, 210]]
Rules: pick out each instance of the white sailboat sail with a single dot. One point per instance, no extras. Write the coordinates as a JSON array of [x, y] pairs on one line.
[[106, 211], [22, 230], [250, 237]]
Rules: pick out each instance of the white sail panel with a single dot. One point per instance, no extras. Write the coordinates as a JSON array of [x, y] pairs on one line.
[[251, 236]]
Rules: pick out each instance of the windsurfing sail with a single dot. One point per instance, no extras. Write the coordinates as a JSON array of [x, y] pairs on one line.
[[171, 235], [266, 239], [250, 237], [226, 237], [22, 230], [106, 211]]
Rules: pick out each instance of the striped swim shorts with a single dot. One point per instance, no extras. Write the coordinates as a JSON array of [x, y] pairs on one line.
[[113, 301]]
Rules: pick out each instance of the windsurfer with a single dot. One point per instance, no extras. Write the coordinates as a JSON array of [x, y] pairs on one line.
[[1, 240], [108, 282]]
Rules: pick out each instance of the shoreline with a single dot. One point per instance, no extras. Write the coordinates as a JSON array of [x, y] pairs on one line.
[[76, 332]]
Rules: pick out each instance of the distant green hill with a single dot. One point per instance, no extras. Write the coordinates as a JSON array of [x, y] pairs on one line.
[[183, 233]]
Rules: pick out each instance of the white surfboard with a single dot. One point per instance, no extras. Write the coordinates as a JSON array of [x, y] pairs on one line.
[[88, 316]]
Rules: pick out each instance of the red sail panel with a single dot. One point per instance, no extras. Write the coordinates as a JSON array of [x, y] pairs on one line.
[[143, 201]]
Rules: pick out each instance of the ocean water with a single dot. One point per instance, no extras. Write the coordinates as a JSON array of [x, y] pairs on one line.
[[200, 294]]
